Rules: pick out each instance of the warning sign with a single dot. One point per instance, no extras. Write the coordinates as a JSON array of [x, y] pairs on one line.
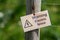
[[27, 24], [32, 22]]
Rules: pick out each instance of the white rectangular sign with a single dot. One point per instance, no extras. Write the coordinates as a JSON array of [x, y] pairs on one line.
[[32, 22]]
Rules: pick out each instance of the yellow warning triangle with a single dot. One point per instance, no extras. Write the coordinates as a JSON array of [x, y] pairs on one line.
[[27, 24]]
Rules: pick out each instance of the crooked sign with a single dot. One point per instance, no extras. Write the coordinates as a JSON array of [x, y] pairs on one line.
[[32, 22]]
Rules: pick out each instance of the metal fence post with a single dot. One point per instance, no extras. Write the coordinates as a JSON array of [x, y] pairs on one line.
[[33, 6]]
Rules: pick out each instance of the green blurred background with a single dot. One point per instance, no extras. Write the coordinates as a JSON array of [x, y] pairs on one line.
[[10, 24]]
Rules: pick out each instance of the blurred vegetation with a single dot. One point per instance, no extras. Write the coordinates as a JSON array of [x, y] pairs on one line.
[[52, 32], [10, 24]]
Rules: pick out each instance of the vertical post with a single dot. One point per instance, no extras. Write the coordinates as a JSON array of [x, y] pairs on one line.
[[33, 6]]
